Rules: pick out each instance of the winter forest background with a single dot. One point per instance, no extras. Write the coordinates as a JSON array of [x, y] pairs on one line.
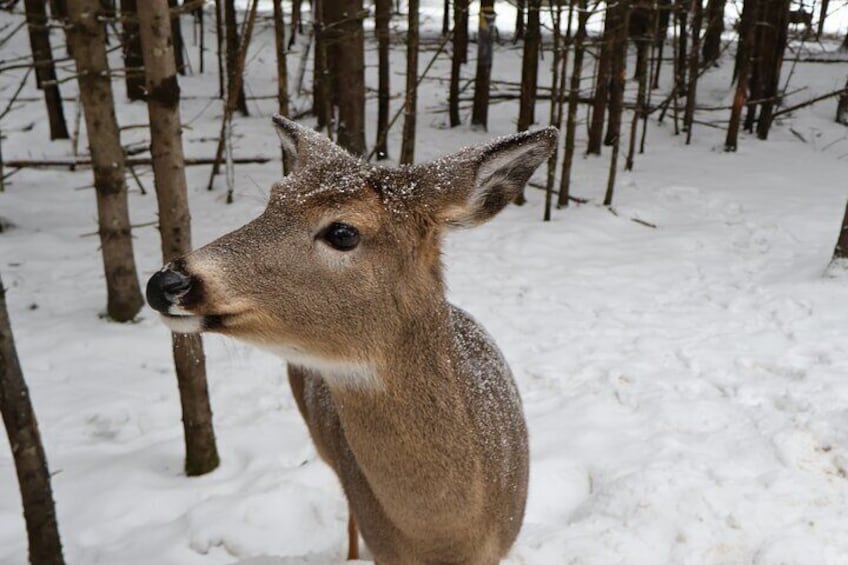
[[671, 293]]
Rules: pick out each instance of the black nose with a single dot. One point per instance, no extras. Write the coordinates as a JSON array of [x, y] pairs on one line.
[[165, 288]]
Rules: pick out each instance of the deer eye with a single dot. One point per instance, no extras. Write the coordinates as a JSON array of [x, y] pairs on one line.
[[343, 237]]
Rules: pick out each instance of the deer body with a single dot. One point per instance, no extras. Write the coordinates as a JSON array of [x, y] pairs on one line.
[[405, 396]]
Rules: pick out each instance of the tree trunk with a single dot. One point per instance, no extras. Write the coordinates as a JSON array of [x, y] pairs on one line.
[[232, 43], [557, 86], [219, 37], [166, 149], [460, 47], [664, 8], [177, 36], [446, 17], [822, 18], [774, 46], [321, 107], [59, 9], [95, 86], [617, 76], [231, 101], [134, 73], [841, 249], [345, 40], [712, 35], [743, 58], [45, 547], [199, 30], [407, 148], [519, 20], [602, 80], [692, 87], [45, 69], [282, 71], [530, 67], [297, 20], [617, 96], [573, 100], [382, 15], [485, 41], [642, 72], [842, 107]]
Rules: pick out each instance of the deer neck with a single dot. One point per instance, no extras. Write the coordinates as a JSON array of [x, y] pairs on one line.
[[406, 434]]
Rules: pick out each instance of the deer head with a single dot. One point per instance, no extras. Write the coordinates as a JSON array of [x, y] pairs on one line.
[[346, 256]]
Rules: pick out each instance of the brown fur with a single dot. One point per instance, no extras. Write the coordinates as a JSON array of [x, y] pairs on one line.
[[405, 396]]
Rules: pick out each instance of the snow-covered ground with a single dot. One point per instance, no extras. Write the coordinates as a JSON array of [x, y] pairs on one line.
[[685, 385]]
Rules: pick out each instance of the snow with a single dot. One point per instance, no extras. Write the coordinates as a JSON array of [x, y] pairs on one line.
[[684, 385]]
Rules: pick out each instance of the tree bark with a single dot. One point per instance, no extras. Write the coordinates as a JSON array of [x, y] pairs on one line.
[[520, 6], [557, 87], [45, 547], [282, 71], [382, 15], [345, 38], [133, 73], [842, 107], [407, 148], [321, 107], [177, 36], [485, 41], [841, 249], [530, 67], [617, 97], [446, 8], [89, 48], [743, 68], [219, 40], [602, 83], [822, 18], [692, 86], [618, 66], [771, 57], [711, 49], [573, 100], [45, 69], [232, 45], [664, 8], [460, 47], [642, 72], [166, 149]]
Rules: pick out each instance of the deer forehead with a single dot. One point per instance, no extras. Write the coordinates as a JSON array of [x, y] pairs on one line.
[[367, 196]]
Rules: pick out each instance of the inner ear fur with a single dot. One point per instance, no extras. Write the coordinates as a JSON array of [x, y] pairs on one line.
[[470, 187]]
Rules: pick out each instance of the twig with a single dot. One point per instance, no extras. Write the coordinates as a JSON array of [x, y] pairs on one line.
[[71, 163], [133, 226], [15, 95], [810, 102]]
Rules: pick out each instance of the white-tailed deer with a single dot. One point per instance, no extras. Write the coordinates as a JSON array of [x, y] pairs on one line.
[[405, 396]]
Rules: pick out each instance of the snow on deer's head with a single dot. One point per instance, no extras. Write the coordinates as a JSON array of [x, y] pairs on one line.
[[346, 255]]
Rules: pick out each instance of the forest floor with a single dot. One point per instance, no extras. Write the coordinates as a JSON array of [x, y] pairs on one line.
[[684, 382]]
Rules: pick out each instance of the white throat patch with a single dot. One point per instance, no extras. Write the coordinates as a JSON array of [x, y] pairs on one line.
[[341, 374]]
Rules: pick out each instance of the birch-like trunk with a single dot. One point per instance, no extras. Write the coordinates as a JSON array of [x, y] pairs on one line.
[[88, 44], [166, 150], [45, 547]]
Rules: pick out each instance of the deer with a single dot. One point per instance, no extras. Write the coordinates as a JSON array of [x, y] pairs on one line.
[[405, 396]]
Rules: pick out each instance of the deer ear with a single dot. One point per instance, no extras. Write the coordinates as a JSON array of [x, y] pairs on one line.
[[472, 186], [303, 146]]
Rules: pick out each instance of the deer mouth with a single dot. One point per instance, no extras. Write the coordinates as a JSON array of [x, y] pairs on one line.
[[188, 323]]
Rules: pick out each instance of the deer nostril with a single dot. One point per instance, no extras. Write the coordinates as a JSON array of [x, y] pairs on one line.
[[165, 287]]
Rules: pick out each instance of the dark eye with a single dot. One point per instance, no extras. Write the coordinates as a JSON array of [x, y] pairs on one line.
[[343, 237]]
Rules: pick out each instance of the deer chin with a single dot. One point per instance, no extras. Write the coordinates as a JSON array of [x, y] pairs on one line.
[[184, 323]]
